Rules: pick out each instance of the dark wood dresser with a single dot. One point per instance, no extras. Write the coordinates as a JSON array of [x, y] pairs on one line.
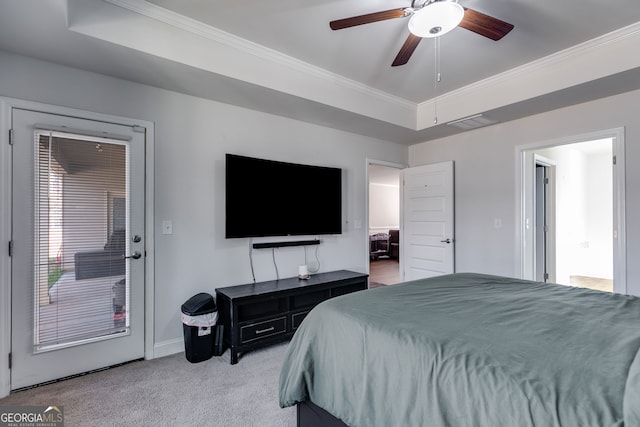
[[260, 314]]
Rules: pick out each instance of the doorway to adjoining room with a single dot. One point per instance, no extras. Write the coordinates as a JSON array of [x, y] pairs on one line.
[[384, 225], [573, 213]]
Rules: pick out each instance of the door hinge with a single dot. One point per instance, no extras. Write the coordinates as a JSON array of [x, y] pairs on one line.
[[546, 180], [546, 228], [11, 135], [10, 247], [546, 276], [9, 360], [614, 160]]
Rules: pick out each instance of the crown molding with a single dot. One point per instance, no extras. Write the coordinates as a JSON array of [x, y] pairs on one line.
[[560, 57], [206, 31], [588, 61], [546, 67]]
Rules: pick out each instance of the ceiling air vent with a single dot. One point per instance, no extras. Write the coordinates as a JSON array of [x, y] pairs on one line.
[[472, 122]]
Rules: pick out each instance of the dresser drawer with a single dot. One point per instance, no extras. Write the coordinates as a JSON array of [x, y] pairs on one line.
[[297, 318], [347, 289], [263, 329]]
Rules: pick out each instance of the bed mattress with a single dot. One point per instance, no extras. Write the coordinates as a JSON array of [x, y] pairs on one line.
[[470, 350]]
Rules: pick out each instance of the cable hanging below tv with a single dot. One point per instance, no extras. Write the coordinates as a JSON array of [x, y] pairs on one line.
[[267, 245]]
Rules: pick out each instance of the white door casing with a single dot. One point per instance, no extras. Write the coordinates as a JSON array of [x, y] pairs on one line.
[[525, 162], [428, 221], [30, 365]]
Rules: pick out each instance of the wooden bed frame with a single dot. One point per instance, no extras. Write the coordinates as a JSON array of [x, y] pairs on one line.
[[309, 414]]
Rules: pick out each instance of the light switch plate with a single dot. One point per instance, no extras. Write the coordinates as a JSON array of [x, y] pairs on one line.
[[167, 227]]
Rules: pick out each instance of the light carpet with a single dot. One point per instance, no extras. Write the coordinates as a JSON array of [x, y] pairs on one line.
[[171, 391]]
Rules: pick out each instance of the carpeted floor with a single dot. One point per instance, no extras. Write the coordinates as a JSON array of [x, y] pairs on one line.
[[170, 391]]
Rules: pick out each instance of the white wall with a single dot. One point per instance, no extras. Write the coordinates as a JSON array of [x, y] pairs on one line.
[[583, 222], [191, 137], [384, 207], [583, 217], [599, 251], [485, 179]]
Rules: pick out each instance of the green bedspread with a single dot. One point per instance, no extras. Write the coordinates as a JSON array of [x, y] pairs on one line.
[[470, 350]]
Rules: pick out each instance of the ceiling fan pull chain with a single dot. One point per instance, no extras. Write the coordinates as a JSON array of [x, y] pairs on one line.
[[438, 59], [437, 78]]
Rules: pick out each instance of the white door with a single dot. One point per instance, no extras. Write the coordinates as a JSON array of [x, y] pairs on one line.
[[541, 228], [78, 246], [544, 220], [428, 240]]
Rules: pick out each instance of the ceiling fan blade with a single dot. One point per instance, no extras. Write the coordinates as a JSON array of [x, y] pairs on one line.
[[367, 19], [485, 25], [406, 50]]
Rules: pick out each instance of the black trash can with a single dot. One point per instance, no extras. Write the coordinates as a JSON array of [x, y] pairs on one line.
[[199, 316]]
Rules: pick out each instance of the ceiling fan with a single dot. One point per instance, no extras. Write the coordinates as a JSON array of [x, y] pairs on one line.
[[431, 18]]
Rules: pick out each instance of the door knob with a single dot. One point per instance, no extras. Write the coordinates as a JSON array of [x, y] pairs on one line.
[[446, 240], [135, 255]]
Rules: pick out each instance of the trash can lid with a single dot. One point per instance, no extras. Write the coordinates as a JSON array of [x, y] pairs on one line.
[[201, 303]]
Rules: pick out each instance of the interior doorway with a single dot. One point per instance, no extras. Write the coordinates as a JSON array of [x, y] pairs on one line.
[[572, 220], [384, 224]]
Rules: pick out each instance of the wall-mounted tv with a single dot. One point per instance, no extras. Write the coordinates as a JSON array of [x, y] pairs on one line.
[[272, 198]]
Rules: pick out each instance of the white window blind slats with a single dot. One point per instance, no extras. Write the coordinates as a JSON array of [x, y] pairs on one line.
[[80, 239]]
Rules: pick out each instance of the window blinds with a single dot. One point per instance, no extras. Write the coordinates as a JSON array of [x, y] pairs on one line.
[[80, 236]]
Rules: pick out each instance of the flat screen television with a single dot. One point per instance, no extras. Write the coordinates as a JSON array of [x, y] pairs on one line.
[[272, 198]]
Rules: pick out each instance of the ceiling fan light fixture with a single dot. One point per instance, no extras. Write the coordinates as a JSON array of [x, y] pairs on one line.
[[436, 19]]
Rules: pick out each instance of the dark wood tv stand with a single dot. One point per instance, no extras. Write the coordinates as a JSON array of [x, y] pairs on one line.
[[260, 314]]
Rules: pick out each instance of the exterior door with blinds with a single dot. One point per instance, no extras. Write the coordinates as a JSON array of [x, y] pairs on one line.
[[77, 280]]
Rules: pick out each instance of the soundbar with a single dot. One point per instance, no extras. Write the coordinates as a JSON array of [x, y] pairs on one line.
[[266, 245]]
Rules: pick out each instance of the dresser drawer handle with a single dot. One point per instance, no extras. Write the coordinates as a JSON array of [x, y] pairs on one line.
[[262, 331]]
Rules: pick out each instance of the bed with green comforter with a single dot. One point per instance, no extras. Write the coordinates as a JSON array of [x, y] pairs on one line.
[[470, 350]]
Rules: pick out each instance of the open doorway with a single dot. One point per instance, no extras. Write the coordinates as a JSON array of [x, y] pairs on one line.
[[384, 225], [571, 218]]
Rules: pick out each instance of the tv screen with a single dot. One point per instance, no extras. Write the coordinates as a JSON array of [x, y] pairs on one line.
[[271, 198]]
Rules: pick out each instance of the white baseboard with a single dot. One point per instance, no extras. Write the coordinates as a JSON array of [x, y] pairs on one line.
[[167, 348]]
